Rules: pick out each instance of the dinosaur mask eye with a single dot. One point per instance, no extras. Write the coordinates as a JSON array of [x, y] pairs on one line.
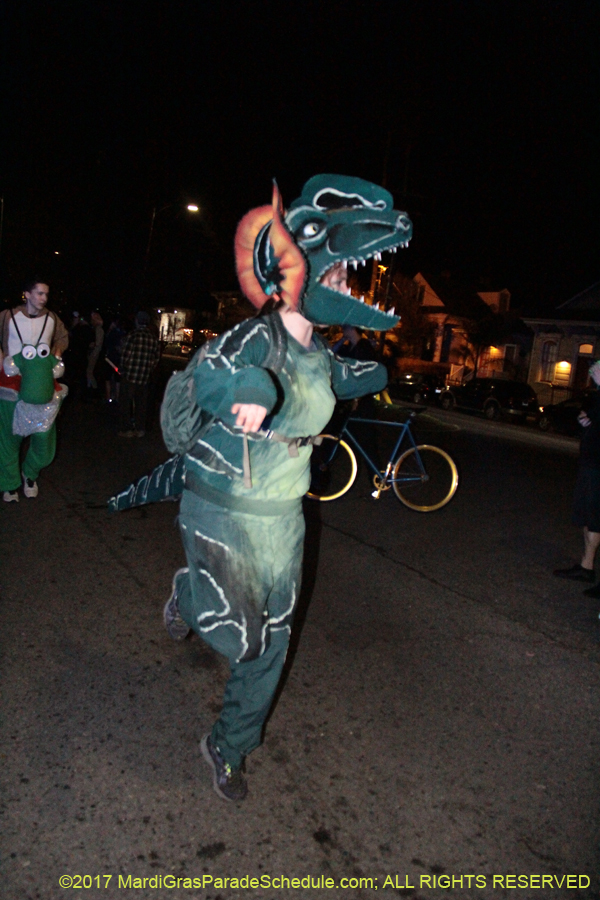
[[43, 350], [28, 351], [311, 229]]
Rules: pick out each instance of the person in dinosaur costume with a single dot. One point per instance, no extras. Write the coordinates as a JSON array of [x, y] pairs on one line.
[[244, 479], [32, 340]]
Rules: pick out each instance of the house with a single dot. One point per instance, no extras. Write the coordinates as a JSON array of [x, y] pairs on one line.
[[564, 346], [174, 325], [460, 330]]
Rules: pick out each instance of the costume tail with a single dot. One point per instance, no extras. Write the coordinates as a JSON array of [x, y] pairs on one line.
[[165, 482]]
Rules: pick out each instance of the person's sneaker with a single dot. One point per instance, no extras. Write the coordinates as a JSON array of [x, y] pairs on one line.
[[30, 488], [593, 591], [176, 627], [229, 783], [127, 434], [576, 573], [10, 496]]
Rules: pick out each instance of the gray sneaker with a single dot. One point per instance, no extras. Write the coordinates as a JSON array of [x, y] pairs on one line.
[[10, 496], [175, 625], [229, 783]]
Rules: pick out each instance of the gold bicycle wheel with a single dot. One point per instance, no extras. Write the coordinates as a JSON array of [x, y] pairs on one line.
[[425, 480], [333, 469]]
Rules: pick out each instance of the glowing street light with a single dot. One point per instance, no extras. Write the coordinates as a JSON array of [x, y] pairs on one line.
[[191, 207]]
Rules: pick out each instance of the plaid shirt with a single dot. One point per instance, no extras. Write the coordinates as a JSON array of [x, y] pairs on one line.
[[140, 355]]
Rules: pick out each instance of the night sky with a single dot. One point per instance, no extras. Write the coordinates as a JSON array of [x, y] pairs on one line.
[[480, 117]]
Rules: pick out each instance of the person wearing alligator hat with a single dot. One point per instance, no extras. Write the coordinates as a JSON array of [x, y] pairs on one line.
[[32, 341], [269, 385]]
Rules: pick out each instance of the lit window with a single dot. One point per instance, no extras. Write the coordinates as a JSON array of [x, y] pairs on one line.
[[562, 373]]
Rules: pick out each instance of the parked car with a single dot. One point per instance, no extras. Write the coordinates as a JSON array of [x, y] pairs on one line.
[[177, 348], [417, 387], [493, 397], [562, 416]]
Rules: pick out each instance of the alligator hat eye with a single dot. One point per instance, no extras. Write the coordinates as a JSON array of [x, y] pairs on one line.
[[311, 229], [43, 350], [28, 351]]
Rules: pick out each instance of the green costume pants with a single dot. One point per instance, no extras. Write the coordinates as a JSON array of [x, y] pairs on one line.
[[42, 447], [239, 594]]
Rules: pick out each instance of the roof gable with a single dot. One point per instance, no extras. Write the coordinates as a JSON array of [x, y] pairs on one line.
[[443, 294], [589, 299]]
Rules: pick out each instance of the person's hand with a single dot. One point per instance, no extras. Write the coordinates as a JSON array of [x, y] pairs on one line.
[[583, 419], [250, 416]]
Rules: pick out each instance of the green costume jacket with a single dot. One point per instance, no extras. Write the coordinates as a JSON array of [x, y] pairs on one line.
[[299, 403]]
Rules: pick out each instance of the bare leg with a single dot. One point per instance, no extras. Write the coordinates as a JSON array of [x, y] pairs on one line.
[[591, 542]]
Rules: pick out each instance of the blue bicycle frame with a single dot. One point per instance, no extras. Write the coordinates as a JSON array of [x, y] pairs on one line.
[[386, 476]]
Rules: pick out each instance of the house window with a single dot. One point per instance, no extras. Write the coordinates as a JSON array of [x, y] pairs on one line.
[[562, 373], [548, 361], [586, 349]]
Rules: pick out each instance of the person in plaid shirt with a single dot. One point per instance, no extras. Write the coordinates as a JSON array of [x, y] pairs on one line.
[[139, 358]]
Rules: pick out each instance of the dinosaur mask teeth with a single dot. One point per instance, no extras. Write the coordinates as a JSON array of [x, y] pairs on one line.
[[335, 277]]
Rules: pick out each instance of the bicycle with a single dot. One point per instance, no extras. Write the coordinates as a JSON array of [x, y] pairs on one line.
[[424, 478]]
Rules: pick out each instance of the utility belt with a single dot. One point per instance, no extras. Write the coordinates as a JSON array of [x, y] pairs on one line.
[[293, 445]]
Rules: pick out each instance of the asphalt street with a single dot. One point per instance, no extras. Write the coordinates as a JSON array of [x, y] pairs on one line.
[[439, 716]]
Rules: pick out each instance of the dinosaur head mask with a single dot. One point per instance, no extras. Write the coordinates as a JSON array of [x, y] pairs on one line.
[[302, 256]]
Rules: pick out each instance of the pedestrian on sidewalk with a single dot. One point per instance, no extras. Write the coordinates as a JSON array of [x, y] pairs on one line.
[[139, 358]]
